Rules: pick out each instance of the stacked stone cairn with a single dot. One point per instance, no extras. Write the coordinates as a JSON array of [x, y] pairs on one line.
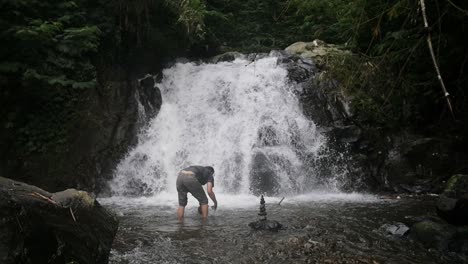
[[262, 223]]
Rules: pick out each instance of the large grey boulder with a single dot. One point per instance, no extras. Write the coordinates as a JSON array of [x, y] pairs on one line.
[[41, 227]]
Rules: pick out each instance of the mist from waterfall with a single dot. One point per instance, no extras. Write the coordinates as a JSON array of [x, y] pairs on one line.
[[237, 117]]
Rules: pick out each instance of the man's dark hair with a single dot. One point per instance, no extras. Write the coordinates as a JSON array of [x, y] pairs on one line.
[[210, 169]]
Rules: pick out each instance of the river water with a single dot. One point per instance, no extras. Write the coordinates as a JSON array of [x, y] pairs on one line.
[[318, 228], [243, 118]]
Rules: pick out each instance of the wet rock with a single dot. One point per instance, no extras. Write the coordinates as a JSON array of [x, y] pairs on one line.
[[41, 227], [437, 234], [345, 134], [297, 240], [227, 57], [317, 50], [457, 186], [459, 242], [433, 234], [396, 229], [452, 204], [267, 136], [267, 225], [407, 162], [149, 96], [324, 103], [263, 179]]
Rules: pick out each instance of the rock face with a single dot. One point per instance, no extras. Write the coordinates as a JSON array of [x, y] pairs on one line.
[[41, 227], [453, 202], [109, 119], [385, 160]]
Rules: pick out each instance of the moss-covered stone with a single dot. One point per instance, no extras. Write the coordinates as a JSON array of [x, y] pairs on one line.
[[433, 234], [457, 186], [317, 50]]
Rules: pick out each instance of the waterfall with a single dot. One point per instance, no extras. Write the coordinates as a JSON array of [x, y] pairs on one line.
[[240, 117]]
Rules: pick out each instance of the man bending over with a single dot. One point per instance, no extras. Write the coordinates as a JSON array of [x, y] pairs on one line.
[[190, 180]]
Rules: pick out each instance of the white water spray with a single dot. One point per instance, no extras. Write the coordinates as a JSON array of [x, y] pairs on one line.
[[224, 115]]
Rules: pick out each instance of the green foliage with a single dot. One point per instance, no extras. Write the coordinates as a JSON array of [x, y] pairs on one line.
[[52, 52], [192, 16], [392, 81]]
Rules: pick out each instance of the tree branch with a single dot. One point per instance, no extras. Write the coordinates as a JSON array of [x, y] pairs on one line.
[[434, 61]]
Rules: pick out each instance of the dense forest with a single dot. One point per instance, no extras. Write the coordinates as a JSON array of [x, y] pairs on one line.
[[54, 52]]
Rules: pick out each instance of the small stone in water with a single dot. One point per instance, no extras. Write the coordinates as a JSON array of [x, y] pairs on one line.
[[269, 225], [397, 229]]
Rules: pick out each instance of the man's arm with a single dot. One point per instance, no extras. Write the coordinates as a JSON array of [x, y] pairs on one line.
[[212, 195]]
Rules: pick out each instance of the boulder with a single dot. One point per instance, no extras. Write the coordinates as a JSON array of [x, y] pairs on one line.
[[460, 241], [64, 227], [324, 103], [317, 50], [453, 202], [407, 162], [457, 186], [227, 57], [266, 225], [433, 234]]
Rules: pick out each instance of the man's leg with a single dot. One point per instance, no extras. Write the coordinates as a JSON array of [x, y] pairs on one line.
[[204, 210], [180, 213], [196, 189], [182, 192]]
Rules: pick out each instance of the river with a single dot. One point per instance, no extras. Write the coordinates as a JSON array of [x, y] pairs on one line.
[[318, 228]]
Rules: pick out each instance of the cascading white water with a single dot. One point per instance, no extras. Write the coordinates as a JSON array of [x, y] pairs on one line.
[[234, 116]]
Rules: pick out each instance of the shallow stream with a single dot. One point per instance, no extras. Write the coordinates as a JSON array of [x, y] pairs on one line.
[[318, 228]]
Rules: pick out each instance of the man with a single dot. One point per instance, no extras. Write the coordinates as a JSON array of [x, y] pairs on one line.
[[191, 180]]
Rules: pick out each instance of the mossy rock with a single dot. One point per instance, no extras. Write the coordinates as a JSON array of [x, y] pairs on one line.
[[433, 234], [453, 202], [316, 50], [457, 186]]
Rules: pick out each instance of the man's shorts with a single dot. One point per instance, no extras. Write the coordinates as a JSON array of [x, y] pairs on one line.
[[187, 182]]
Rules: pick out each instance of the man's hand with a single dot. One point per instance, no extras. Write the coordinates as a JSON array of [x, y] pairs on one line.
[[212, 195]]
